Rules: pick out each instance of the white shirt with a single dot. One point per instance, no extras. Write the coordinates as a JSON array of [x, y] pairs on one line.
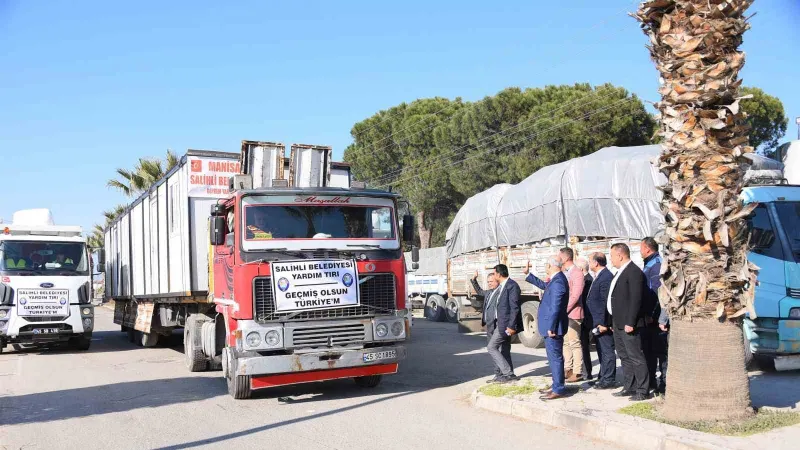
[[614, 283]]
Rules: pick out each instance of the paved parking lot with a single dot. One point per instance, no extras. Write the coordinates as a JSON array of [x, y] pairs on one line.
[[121, 396]]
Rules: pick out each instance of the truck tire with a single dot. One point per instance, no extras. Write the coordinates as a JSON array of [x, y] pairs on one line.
[[131, 335], [749, 358], [193, 354], [368, 381], [81, 343], [451, 306], [530, 336], [238, 385], [434, 308], [148, 340]]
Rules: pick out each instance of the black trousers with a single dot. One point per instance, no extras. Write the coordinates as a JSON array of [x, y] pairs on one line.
[[654, 346], [608, 358], [634, 365], [586, 334]]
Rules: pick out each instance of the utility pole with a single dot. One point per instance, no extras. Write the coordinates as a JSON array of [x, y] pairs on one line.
[[797, 121]]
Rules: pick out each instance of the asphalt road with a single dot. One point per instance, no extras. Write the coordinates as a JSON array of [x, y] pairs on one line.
[[121, 396]]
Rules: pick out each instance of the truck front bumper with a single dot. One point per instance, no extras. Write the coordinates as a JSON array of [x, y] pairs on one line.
[[24, 330], [329, 360]]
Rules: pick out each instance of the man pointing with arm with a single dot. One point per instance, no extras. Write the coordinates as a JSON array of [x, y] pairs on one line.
[[552, 322]]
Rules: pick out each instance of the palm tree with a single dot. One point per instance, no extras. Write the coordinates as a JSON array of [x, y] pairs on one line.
[[146, 173], [708, 283]]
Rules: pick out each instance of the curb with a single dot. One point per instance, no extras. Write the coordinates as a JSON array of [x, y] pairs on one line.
[[626, 431]]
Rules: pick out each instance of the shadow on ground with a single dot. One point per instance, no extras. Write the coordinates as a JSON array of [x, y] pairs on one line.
[[438, 357]]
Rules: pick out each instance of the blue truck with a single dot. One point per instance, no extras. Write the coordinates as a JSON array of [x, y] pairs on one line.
[[773, 335]]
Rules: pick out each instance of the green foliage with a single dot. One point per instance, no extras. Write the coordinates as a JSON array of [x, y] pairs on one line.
[[509, 390], [767, 118], [760, 422], [438, 153], [133, 183]]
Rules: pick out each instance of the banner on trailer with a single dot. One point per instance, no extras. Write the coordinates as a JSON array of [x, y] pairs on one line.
[[211, 177], [308, 285]]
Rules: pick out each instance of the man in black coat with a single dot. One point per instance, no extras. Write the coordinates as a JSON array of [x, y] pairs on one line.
[[599, 318], [501, 315], [628, 311], [491, 283]]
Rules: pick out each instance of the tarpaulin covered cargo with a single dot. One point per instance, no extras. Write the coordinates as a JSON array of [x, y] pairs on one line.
[[612, 193], [474, 225]]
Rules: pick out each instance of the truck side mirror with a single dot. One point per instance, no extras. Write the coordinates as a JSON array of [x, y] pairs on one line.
[[415, 254], [101, 260], [217, 230], [408, 228]]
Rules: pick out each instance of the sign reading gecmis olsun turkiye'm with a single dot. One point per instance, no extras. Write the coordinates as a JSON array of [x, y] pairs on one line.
[[307, 285]]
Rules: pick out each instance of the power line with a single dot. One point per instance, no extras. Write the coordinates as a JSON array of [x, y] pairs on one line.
[[586, 100], [526, 138]]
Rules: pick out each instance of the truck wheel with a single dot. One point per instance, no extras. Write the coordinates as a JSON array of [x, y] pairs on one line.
[[148, 340], [749, 358], [368, 382], [451, 309], [434, 308], [238, 385], [530, 337], [131, 335], [193, 354], [81, 343]]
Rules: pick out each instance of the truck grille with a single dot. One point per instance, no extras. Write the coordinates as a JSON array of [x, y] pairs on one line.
[[45, 318], [794, 293], [376, 291], [325, 335]]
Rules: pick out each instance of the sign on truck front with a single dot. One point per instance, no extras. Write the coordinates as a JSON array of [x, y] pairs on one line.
[[308, 285]]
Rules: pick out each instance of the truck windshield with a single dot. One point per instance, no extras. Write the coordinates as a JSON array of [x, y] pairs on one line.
[[57, 258], [789, 215], [318, 222]]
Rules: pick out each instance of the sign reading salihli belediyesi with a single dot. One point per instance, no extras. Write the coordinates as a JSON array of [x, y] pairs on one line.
[[321, 284]]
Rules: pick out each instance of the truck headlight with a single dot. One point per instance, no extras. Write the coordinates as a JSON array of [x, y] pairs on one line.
[[87, 323], [253, 339], [397, 329], [86, 311], [272, 338], [794, 313], [3, 314], [381, 330]]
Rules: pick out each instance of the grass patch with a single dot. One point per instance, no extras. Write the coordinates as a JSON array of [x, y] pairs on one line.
[[762, 422], [508, 390]]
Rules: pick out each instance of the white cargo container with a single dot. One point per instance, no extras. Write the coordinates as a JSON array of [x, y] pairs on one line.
[[157, 250]]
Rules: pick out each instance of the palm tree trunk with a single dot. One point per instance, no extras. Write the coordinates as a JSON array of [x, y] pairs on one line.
[[707, 279]]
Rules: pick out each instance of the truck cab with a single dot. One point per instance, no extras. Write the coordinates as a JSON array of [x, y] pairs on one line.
[[773, 335], [45, 283], [310, 285]]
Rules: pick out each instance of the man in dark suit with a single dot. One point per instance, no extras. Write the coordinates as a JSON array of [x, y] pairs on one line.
[[553, 322], [600, 320], [501, 316], [654, 340], [626, 298], [491, 283], [586, 324]]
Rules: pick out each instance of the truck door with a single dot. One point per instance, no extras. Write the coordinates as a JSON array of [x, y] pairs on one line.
[[767, 253]]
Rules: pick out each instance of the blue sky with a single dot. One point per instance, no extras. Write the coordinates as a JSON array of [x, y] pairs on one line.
[[89, 86]]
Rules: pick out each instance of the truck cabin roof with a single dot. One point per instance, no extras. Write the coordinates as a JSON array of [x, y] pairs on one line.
[[328, 191]]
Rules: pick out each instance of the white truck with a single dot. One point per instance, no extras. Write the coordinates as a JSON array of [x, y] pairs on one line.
[[45, 283], [427, 285]]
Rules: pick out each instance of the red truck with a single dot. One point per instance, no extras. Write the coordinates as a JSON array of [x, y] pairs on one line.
[[304, 276]]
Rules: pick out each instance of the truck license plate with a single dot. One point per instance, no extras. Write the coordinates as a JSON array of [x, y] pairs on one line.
[[45, 331], [377, 356]]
